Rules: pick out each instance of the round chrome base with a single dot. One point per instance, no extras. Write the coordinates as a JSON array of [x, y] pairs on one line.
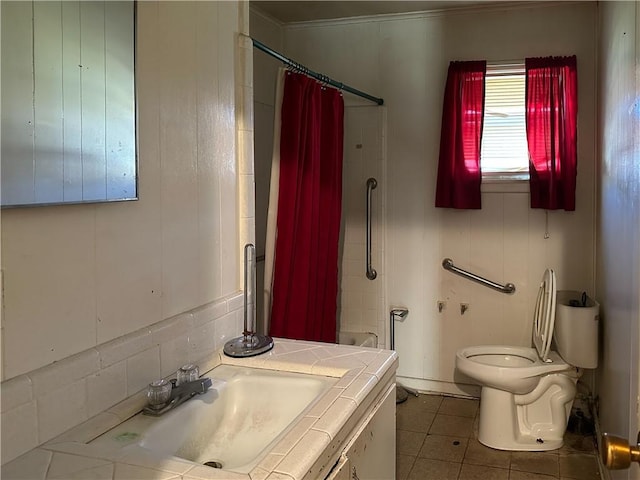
[[248, 346]]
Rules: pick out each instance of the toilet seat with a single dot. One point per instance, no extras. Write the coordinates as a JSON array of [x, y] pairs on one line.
[[544, 315]]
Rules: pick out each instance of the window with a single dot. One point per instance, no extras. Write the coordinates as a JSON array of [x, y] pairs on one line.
[[503, 152]]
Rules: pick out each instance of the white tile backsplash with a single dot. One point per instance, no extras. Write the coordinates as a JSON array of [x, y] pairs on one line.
[[142, 368], [210, 312], [61, 408], [106, 388], [42, 404], [172, 328], [202, 341], [174, 352], [64, 372], [20, 428], [15, 392], [230, 328], [123, 347]]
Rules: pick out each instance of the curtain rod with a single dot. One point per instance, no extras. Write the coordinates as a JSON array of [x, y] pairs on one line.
[[318, 76]]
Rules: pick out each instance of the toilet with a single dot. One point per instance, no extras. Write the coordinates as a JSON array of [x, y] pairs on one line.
[[527, 393]]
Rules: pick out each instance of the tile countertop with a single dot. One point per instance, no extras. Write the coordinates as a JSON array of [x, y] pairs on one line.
[[361, 373]]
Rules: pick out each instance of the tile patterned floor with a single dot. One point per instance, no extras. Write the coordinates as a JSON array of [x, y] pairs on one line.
[[437, 440]]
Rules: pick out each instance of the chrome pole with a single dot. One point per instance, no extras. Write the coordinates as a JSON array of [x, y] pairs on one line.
[[318, 76], [371, 273]]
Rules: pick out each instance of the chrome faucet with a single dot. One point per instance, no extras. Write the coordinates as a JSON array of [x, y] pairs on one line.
[[163, 399]]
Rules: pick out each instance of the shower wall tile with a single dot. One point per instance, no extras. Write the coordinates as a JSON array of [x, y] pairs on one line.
[[359, 308]]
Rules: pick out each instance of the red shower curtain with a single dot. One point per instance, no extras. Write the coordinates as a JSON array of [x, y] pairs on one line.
[[552, 118], [305, 277]]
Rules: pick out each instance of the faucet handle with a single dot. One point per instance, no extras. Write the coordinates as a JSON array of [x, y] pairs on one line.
[[158, 393], [187, 373]]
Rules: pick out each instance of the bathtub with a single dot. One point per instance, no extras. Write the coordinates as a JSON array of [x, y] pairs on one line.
[[361, 339]]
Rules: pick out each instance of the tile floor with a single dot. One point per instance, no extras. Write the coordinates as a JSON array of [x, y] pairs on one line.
[[436, 440]]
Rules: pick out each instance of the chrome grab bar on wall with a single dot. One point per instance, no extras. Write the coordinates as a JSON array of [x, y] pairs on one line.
[[371, 184], [447, 264]]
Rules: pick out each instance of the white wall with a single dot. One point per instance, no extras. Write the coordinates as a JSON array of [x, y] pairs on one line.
[[618, 226], [404, 59], [77, 276]]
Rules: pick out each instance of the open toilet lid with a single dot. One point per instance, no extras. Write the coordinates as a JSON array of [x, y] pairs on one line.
[[545, 314]]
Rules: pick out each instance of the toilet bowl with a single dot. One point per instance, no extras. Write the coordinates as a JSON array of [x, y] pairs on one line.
[[514, 369], [527, 393]]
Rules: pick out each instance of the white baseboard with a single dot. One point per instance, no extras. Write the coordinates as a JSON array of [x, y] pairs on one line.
[[436, 386]]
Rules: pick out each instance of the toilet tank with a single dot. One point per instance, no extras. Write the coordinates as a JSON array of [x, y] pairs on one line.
[[576, 328]]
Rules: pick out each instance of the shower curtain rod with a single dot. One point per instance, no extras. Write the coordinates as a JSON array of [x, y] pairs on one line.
[[318, 76]]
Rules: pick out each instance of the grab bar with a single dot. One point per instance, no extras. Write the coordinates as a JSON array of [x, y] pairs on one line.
[[371, 184], [447, 264]]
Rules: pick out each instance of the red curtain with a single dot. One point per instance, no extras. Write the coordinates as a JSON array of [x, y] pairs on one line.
[[459, 174], [551, 116], [305, 277]]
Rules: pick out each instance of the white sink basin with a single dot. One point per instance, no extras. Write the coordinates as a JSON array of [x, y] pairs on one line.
[[245, 411]]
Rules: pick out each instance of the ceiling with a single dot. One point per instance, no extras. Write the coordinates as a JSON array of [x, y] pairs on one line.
[[303, 11]]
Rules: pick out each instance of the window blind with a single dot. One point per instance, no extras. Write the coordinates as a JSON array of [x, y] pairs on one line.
[[504, 140]]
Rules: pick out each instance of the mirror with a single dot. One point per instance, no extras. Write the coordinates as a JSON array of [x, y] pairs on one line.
[[68, 102]]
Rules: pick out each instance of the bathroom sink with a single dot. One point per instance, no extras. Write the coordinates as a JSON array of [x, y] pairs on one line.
[[231, 425]]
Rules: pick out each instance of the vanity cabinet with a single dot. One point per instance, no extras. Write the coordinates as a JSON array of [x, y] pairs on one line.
[[370, 453]]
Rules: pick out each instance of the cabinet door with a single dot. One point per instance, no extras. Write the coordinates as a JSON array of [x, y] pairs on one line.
[[372, 453]]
